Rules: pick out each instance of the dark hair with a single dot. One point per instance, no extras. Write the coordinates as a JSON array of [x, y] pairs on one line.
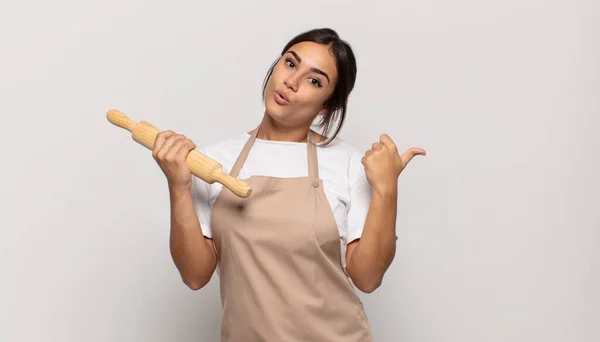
[[337, 103]]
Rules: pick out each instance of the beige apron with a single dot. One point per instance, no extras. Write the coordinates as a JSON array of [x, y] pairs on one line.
[[281, 276]]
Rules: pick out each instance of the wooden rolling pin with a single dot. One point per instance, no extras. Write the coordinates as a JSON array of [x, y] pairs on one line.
[[200, 165]]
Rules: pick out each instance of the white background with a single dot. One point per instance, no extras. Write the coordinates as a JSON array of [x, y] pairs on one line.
[[498, 225]]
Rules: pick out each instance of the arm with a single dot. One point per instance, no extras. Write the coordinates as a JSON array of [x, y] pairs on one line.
[[193, 254], [369, 257]]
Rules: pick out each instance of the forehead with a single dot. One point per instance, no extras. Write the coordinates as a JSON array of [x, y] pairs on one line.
[[315, 55]]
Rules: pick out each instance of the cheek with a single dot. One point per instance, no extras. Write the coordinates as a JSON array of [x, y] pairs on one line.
[[308, 106], [272, 84], [278, 74], [311, 98]]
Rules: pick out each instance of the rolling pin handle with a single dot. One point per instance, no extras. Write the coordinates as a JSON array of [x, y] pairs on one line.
[[119, 119]]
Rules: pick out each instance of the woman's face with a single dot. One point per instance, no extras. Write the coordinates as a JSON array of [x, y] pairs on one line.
[[301, 82]]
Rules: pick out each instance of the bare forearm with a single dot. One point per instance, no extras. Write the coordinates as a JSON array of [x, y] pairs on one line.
[[377, 246], [192, 253]]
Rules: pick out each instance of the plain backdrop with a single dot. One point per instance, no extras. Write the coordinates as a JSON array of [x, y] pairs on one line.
[[498, 225]]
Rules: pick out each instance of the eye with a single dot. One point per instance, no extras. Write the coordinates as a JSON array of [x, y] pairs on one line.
[[316, 82], [290, 63]]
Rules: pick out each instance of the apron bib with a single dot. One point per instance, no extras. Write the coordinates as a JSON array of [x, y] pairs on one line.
[[281, 276]]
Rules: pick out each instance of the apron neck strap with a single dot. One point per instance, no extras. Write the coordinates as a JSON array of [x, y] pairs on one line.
[[311, 147], [313, 164]]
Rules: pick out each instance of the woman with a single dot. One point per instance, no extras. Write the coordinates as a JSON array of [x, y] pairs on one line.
[[321, 217]]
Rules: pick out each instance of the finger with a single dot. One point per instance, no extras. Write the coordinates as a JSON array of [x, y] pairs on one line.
[[166, 147], [386, 140], [377, 146], [410, 153], [171, 155], [369, 152], [159, 141], [184, 150]]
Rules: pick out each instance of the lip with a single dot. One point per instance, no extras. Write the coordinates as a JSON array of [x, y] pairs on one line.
[[281, 98]]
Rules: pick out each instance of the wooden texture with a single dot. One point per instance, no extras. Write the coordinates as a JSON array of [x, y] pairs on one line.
[[200, 165]]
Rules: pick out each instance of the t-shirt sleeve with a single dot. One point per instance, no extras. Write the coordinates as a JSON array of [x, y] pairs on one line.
[[360, 199], [201, 199]]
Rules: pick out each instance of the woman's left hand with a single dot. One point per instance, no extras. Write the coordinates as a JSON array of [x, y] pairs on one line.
[[383, 164]]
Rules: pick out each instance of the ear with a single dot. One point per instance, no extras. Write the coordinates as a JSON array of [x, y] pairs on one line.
[[323, 111]]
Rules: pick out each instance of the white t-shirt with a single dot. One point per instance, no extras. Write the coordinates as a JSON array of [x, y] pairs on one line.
[[340, 168]]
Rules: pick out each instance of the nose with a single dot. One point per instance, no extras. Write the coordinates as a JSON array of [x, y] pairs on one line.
[[291, 82]]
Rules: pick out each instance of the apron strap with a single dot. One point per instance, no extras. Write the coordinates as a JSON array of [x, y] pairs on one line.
[[313, 163], [241, 159], [311, 147]]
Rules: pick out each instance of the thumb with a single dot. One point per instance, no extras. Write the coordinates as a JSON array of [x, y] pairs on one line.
[[410, 153]]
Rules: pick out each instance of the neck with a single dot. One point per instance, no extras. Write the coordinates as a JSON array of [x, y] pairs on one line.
[[272, 130]]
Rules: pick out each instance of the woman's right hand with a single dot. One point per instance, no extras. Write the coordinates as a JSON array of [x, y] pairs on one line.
[[170, 152]]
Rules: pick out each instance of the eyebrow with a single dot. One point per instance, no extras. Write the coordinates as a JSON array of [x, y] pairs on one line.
[[318, 71]]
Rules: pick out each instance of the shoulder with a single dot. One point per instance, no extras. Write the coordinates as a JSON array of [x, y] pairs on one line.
[[347, 156], [224, 145], [341, 146]]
